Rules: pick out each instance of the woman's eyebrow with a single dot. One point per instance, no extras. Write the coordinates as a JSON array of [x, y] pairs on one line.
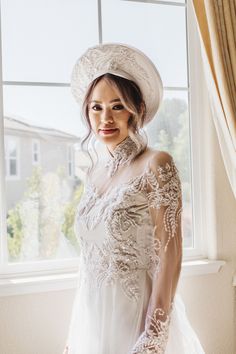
[[114, 100]]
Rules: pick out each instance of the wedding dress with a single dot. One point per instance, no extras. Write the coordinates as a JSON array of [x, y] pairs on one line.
[[128, 223]]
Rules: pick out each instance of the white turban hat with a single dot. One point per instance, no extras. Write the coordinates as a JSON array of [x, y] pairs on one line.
[[121, 60]]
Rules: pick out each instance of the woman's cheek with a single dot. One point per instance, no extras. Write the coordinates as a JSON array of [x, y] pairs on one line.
[[94, 121]]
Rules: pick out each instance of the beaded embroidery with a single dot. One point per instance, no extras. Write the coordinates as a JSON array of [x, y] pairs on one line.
[[123, 154], [121, 256], [154, 339], [168, 195]]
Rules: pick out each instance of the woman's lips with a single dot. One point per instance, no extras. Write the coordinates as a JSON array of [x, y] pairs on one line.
[[108, 131]]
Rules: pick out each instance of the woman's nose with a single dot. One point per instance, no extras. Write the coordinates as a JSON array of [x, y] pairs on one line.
[[106, 115]]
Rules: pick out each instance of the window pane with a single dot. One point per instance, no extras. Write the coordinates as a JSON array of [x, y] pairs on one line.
[[169, 131], [35, 156], [164, 37], [35, 146], [41, 203], [11, 148], [42, 39], [69, 169], [69, 153], [13, 171]]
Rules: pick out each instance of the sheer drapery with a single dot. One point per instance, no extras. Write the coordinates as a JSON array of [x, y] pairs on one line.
[[216, 21]]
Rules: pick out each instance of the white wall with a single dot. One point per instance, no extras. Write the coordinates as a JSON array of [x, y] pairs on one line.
[[210, 299], [34, 324]]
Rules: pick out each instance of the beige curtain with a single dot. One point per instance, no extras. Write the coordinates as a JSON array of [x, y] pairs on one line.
[[216, 21]]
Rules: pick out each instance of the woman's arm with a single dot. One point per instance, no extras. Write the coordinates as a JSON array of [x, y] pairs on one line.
[[165, 203]]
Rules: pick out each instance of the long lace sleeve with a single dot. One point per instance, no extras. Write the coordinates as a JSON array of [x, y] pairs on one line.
[[165, 205]]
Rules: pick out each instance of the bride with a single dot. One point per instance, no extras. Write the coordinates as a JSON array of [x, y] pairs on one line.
[[128, 221]]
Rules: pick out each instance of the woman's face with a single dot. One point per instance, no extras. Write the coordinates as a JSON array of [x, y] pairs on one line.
[[108, 117]]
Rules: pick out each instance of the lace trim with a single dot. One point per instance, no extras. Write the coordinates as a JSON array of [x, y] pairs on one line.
[[123, 154], [154, 338]]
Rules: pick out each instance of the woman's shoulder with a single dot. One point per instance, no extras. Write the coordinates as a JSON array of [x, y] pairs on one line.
[[153, 158]]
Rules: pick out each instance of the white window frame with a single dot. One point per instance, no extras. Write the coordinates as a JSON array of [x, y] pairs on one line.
[[36, 143], [10, 177], [41, 268], [196, 110]]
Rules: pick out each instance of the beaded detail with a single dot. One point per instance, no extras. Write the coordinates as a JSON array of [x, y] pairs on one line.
[[123, 154], [120, 60], [154, 338], [122, 256], [166, 192]]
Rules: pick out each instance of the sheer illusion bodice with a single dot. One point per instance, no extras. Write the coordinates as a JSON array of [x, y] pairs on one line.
[[122, 166], [129, 226]]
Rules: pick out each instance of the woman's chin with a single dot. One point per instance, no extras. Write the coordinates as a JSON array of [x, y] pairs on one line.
[[111, 139]]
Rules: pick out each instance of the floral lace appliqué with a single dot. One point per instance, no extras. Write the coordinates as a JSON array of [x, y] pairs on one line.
[[166, 192], [154, 338], [121, 256]]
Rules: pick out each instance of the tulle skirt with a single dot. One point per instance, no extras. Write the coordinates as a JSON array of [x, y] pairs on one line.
[[182, 337], [104, 322]]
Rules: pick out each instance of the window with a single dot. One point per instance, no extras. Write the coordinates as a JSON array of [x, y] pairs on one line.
[[12, 157], [38, 105], [165, 39], [35, 152], [39, 108]]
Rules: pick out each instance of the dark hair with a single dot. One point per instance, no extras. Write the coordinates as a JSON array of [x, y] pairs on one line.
[[132, 99]]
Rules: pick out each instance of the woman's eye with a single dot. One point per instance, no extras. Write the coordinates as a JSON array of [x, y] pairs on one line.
[[118, 107], [96, 107]]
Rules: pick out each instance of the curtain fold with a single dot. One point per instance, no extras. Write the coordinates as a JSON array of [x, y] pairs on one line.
[[216, 21]]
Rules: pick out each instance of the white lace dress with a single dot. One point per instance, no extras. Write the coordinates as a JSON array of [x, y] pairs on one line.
[[131, 251]]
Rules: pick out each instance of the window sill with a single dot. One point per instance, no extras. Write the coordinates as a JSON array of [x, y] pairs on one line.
[[31, 283], [201, 267]]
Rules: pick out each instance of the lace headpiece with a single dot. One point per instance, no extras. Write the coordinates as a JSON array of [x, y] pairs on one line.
[[121, 60]]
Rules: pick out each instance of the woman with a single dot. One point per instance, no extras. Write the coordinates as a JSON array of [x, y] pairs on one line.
[[129, 218]]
